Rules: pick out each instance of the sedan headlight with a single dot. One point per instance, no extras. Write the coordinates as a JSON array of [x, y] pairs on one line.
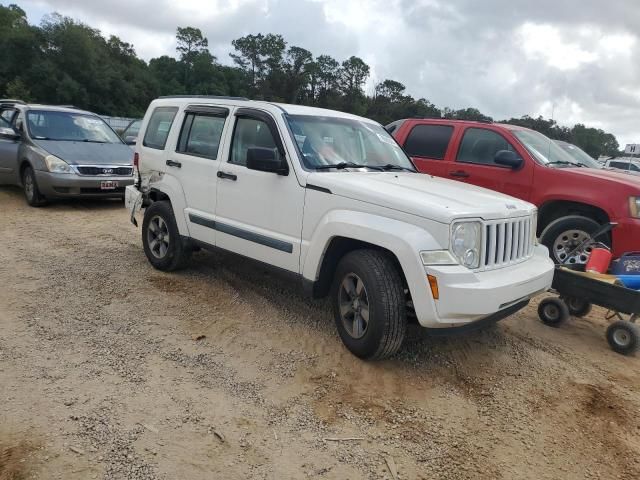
[[56, 165], [466, 238], [634, 206]]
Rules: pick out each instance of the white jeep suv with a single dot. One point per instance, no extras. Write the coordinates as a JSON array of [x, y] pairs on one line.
[[331, 198]]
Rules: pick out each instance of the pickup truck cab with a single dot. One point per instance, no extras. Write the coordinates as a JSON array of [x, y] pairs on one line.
[[333, 200], [573, 200]]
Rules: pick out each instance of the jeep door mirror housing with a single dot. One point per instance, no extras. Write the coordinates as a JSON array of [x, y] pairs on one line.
[[9, 133], [508, 158], [266, 160]]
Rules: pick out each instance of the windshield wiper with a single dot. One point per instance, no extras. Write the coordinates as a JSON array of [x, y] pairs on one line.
[[93, 141], [563, 162], [343, 165], [391, 166]]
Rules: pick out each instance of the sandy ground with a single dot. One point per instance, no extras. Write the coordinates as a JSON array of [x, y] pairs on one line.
[[110, 369]]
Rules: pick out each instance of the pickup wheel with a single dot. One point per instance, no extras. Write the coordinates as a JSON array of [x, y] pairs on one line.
[[161, 239], [369, 304], [563, 235]]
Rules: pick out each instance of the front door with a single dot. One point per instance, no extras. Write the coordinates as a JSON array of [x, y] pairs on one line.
[[258, 214], [474, 163], [8, 151]]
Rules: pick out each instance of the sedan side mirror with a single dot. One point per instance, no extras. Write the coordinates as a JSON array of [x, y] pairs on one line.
[[9, 133], [266, 160], [508, 158]]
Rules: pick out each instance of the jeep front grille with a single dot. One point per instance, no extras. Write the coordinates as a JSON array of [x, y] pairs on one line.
[[507, 242]]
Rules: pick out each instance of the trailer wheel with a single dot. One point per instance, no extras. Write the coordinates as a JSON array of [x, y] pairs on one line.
[[553, 311], [578, 307], [624, 337]]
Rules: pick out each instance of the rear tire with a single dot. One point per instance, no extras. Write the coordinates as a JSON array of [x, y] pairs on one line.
[[564, 234], [577, 307], [553, 312], [31, 191], [161, 239], [624, 337], [369, 304]]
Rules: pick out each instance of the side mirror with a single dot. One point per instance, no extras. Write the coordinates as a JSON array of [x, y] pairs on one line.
[[266, 160], [130, 140], [8, 133], [508, 158]]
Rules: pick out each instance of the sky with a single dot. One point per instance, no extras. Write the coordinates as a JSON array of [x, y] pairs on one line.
[[577, 60]]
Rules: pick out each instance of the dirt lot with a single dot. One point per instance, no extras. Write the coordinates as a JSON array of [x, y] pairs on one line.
[[110, 369]]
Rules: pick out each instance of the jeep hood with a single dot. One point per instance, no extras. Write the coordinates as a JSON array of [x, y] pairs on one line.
[[423, 195], [86, 153]]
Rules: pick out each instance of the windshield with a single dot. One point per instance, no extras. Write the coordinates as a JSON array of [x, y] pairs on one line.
[[545, 150], [133, 129], [326, 141], [580, 155], [69, 126]]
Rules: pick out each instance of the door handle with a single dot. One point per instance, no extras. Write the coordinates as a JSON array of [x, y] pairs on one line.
[[459, 174], [228, 176], [172, 163]]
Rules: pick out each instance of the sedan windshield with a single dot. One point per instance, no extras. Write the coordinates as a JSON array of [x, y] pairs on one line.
[[331, 142], [69, 126], [580, 155], [545, 150]]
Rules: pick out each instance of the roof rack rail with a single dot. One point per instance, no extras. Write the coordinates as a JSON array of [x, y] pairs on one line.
[[215, 97], [12, 100], [426, 117]]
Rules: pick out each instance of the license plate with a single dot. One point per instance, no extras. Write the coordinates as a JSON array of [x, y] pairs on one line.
[[108, 185]]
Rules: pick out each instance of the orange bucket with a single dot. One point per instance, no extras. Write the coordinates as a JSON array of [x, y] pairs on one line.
[[599, 260]]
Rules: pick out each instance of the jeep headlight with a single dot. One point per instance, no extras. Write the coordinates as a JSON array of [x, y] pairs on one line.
[[466, 238], [57, 165], [634, 206]]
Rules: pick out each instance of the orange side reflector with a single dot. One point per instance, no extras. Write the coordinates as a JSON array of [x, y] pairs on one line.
[[433, 283]]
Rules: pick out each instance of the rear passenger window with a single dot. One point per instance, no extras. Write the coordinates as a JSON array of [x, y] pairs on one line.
[[480, 145], [159, 127], [201, 135], [430, 141]]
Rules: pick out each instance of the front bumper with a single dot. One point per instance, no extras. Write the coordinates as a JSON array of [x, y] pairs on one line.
[[467, 296], [626, 236], [64, 185]]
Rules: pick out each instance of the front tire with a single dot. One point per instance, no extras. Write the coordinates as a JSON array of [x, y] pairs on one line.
[[369, 304], [563, 235], [553, 312], [161, 239], [31, 191]]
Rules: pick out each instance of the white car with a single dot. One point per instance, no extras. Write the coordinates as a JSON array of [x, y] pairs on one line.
[[631, 165], [332, 199]]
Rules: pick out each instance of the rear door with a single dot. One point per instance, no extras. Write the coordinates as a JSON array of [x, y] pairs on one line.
[[258, 214], [474, 163], [427, 145], [194, 162]]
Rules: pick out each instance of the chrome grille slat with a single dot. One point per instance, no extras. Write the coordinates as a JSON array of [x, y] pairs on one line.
[[104, 170], [506, 242]]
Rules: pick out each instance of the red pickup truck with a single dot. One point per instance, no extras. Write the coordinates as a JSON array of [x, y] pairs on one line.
[[573, 200]]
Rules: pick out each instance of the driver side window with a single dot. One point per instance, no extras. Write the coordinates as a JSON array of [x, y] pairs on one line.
[[480, 146], [249, 133]]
